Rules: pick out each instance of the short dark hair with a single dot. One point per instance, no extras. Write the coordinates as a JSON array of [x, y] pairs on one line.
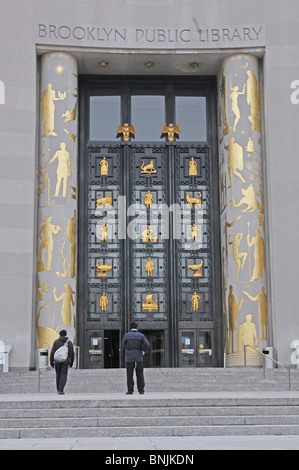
[[133, 325], [62, 333]]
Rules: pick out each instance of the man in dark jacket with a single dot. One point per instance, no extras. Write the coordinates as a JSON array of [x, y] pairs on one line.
[[135, 345], [61, 368]]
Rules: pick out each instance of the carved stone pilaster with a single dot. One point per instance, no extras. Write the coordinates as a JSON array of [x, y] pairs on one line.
[[242, 209], [57, 199]]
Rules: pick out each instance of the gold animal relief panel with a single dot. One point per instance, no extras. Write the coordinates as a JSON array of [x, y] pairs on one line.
[[149, 168], [196, 268], [193, 200], [102, 269], [105, 201], [126, 131], [171, 131]]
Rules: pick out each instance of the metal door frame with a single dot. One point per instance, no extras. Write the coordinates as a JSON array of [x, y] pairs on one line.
[[87, 86]]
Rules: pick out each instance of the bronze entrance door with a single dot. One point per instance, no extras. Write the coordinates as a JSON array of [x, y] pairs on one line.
[[148, 227]]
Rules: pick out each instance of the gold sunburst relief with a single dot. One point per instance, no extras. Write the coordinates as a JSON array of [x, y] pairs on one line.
[[59, 69]]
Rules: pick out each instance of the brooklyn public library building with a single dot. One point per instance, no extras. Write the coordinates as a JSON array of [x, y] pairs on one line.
[[149, 162]]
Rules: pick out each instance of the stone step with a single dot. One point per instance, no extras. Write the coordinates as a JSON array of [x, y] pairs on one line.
[[44, 417], [203, 411], [138, 431], [147, 422], [180, 379]]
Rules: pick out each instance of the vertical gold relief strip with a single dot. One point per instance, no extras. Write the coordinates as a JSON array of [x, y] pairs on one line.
[[245, 305], [57, 199]]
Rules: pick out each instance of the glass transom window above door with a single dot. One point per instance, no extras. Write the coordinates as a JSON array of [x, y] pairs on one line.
[[191, 115], [104, 117], [148, 112]]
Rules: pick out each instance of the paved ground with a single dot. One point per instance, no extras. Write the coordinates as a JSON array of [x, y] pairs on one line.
[[157, 443], [184, 443]]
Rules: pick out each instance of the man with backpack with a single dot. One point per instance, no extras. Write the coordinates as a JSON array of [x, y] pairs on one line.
[[62, 356]]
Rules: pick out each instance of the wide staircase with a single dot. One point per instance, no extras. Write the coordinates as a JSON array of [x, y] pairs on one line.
[[177, 402]]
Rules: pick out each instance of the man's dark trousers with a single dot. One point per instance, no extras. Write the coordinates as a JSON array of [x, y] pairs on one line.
[[61, 369], [130, 366]]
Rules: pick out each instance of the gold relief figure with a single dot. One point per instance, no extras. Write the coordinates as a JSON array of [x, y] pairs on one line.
[[71, 93], [104, 166], [72, 137], [235, 160], [254, 101], [73, 194], [148, 235], [105, 201], [149, 304], [195, 302], [249, 198], [63, 168], [67, 301], [102, 268], [247, 334], [233, 313], [261, 298], [71, 235], [148, 169], [103, 232], [149, 267], [196, 268], [193, 200], [72, 238], [65, 271], [194, 232], [259, 255], [45, 335], [238, 256], [48, 109], [225, 227], [126, 131], [44, 288], [226, 127], [46, 236], [42, 181], [103, 303], [223, 191], [148, 199], [224, 306], [192, 167], [233, 96], [261, 221], [70, 115], [250, 148], [172, 131]]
